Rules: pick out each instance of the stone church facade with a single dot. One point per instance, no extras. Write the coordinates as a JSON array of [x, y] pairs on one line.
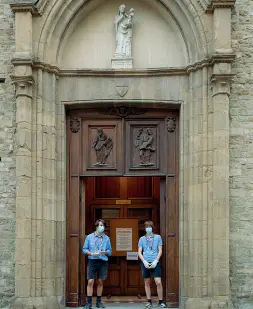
[[192, 55]]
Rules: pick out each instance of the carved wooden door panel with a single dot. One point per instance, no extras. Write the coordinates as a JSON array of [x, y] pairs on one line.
[[145, 147], [101, 147]]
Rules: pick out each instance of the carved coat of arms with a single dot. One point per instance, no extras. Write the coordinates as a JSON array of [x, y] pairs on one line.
[[122, 86]]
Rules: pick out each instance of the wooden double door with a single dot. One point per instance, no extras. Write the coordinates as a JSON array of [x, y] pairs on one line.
[[116, 198], [121, 163]]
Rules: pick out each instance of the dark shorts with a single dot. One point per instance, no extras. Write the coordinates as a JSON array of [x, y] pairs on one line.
[[153, 272], [97, 267]]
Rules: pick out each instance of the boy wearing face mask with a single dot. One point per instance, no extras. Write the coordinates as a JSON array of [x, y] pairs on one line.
[[98, 247], [150, 252]]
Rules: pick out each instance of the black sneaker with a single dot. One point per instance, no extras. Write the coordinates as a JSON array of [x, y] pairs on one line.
[[87, 306], [162, 305], [100, 305]]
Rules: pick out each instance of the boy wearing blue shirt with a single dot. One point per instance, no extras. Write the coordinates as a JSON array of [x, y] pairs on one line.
[[97, 246], [150, 252]]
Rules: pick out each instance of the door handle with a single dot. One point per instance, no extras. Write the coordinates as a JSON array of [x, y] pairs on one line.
[[171, 234]]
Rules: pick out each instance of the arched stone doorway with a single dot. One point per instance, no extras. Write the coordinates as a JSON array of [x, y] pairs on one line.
[[52, 72]]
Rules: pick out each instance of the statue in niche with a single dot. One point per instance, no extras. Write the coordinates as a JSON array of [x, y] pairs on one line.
[[144, 143], [124, 30], [103, 146]]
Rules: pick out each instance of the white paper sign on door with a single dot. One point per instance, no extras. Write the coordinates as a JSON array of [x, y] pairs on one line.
[[124, 239], [132, 256]]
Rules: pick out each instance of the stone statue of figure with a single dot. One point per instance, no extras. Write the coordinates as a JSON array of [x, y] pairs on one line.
[[124, 31], [144, 142], [103, 146]]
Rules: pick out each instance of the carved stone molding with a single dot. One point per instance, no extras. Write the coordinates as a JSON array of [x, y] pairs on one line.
[[123, 111], [171, 124], [182, 71], [24, 7], [214, 4], [75, 125], [221, 84], [42, 5], [23, 85], [223, 58]]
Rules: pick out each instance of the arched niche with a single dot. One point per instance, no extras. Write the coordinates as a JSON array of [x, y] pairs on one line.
[[157, 39], [79, 34]]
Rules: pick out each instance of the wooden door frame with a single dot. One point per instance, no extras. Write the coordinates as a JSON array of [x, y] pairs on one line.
[[74, 197]]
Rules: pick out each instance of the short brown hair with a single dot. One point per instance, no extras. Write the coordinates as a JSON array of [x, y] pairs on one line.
[[100, 220], [149, 223]]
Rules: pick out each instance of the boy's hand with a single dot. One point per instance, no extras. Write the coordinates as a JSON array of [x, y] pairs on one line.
[[153, 265], [146, 264]]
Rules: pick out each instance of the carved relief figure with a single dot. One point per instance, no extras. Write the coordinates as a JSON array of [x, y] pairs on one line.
[[123, 26], [144, 143], [103, 146]]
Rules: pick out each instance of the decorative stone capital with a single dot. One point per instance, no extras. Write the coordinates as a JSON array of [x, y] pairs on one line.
[[222, 58], [24, 7], [221, 84], [23, 85], [214, 4]]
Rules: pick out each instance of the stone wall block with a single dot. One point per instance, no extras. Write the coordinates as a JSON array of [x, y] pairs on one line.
[[23, 207], [23, 255], [38, 250], [24, 111], [22, 288], [222, 38], [48, 287], [221, 230], [23, 229], [24, 271], [24, 184], [221, 286], [49, 251], [48, 270], [59, 286], [24, 38], [220, 211], [195, 261], [23, 139]]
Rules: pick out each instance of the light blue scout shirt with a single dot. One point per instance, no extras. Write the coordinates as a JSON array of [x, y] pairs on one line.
[[94, 243], [150, 246]]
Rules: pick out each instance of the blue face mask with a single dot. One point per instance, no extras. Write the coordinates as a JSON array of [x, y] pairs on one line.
[[101, 229], [148, 230]]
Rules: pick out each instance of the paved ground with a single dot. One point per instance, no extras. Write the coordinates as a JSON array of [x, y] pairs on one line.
[[122, 305]]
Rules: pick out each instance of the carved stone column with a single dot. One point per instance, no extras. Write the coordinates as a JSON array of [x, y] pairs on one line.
[[23, 81], [218, 283], [24, 183], [219, 279], [29, 242]]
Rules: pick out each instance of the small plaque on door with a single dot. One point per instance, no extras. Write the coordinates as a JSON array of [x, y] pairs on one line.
[[123, 202], [132, 256]]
